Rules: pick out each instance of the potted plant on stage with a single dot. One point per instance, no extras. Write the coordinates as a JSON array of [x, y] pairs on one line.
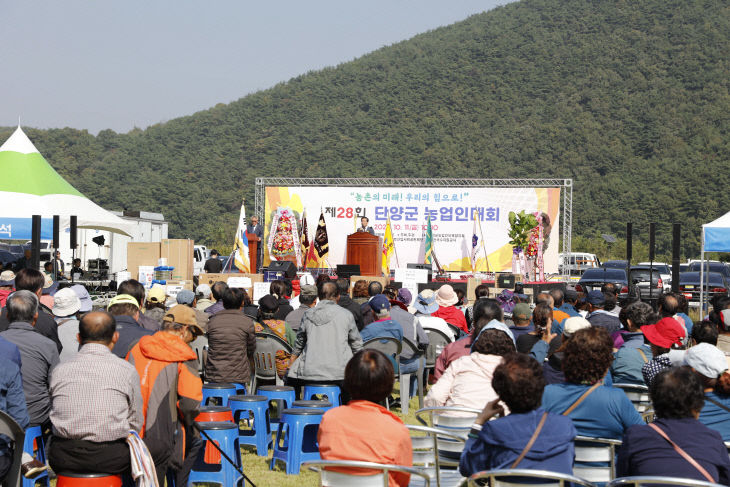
[[520, 230]]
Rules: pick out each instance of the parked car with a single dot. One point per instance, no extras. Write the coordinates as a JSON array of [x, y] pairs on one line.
[[615, 264], [646, 290], [595, 278], [720, 267], [228, 268], [665, 272], [689, 285], [7, 259]]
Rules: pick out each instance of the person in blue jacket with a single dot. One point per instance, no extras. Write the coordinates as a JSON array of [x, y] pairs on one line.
[[383, 326], [605, 412], [519, 383], [710, 366], [634, 351]]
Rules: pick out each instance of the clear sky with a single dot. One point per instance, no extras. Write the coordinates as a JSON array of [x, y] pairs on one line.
[[131, 63]]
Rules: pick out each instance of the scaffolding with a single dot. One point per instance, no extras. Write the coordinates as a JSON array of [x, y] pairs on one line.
[[566, 186]]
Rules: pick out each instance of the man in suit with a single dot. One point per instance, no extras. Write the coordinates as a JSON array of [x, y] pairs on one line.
[[365, 228], [257, 230]]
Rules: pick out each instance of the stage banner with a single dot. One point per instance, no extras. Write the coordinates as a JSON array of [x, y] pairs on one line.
[[451, 212]]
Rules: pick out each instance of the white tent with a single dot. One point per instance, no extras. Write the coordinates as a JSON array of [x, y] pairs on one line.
[[715, 238], [30, 186]]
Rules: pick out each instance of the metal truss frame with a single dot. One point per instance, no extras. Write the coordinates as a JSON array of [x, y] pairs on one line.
[[565, 184]]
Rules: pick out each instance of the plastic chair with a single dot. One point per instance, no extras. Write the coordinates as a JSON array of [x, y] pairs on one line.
[[437, 341], [405, 379], [66, 479], [200, 347], [214, 413], [332, 478], [650, 481], [525, 477], [391, 347], [638, 395], [267, 345], [34, 445], [258, 432], [458, 332], [427, 451], [10, 428], [221, 392], [296, 440], [592, 451], [324, 405], [456, 421], [221, 472], [331, 391], [280, 398]]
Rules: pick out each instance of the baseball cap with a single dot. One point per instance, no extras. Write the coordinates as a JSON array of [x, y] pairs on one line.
[[123, 299], [185, 296], [707, 360], [665, 333], [308, 290], [596, 298], [83, 294], [203, 291], [183, 315], [573, 324], [156, 294], [521, 312], [379, 302], [66, 303], [268, 304]]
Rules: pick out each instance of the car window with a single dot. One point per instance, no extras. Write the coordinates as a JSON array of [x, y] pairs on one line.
[[605, 274]]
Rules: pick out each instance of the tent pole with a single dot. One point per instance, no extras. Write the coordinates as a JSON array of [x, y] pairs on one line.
[[702, 275]]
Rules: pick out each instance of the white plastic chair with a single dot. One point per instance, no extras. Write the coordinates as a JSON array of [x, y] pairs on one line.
[[638, 394], [649, 481], [265, 358], [595, 450], [405, 379], [520, 477], [330, 478], [428, 452]]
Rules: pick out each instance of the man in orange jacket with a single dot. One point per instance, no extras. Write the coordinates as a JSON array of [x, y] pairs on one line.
[[167, 365]]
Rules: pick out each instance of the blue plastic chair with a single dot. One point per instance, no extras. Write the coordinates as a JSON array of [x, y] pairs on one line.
[[324, 405], [280, 396], [330, 390], [221, 392], [296, 440], [35, 446], [259, 432], [225, 434]]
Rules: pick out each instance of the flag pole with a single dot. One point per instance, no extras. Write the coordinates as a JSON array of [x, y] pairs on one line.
[[484, 249], [395, 249]]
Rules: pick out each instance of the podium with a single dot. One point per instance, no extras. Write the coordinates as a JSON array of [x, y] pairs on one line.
[[365, 250], [253, 247]]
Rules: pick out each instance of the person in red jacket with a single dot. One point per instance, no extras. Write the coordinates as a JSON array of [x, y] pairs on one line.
[[446, 299], [7, 286]]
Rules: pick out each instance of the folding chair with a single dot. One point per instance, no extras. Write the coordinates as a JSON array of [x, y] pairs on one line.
[[519, 477], [265, 358], [331, 478]]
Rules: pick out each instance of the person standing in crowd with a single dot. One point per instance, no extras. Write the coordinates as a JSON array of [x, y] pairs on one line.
[[634, 352], [136, 290], [257, 230], [343, 286], [307, 300], [76, 271], [33, 281], [66, 306], [231, 341], [346, 432], [39, 355], [203, 293], [383, 326], [213, 265], [125, 310], [59, 268], [664, 448], [326, 341], [95, 402], [171, 393], [447, 299], [598, 316], [187, 298], [365, 226], [545, 438]]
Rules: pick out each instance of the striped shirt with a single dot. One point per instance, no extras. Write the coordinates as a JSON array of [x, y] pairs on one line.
[[95, 396]]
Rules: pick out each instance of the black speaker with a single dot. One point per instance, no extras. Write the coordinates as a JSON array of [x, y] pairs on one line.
[[652, 230], [348, 270], [676, 234], [74, 232], [35, 246], [506, 280], [56, 230], [629, 243], [285, 267]]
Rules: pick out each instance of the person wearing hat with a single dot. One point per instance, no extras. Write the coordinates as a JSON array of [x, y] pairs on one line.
[[203, 293], [598, 316], [84, 298], [188, 298], [267, 323], [66, 307], [446, 298], [49, 289], [167, 366], [664, 335], [155, 304], [634, 352], [425, 304], [307, 300], [709, 364], [521, 320], [383, 326], [7, 286], [125, 310], [666, 446]]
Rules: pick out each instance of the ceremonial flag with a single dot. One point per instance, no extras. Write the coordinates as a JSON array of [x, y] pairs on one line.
[[474, 241], [304, 239], [429, 243], [320, 247], [240, 246], [388, 247]]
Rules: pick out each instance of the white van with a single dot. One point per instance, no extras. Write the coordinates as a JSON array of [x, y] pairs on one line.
[[574, 263], [200, 255]]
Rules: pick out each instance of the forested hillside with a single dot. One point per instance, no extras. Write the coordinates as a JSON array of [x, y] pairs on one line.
[[628, 98]]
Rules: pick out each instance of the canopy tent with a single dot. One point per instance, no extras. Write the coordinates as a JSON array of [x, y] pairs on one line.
[[30, 186], [715, 238]]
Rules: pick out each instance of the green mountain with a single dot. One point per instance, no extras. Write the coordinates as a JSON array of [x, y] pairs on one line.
[[628, 98]]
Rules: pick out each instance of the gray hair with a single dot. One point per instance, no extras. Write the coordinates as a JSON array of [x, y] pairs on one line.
[[22, 306], [383, 313]]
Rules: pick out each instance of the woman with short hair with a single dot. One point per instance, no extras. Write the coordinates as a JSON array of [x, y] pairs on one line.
[[676, 444], [363, 430]]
